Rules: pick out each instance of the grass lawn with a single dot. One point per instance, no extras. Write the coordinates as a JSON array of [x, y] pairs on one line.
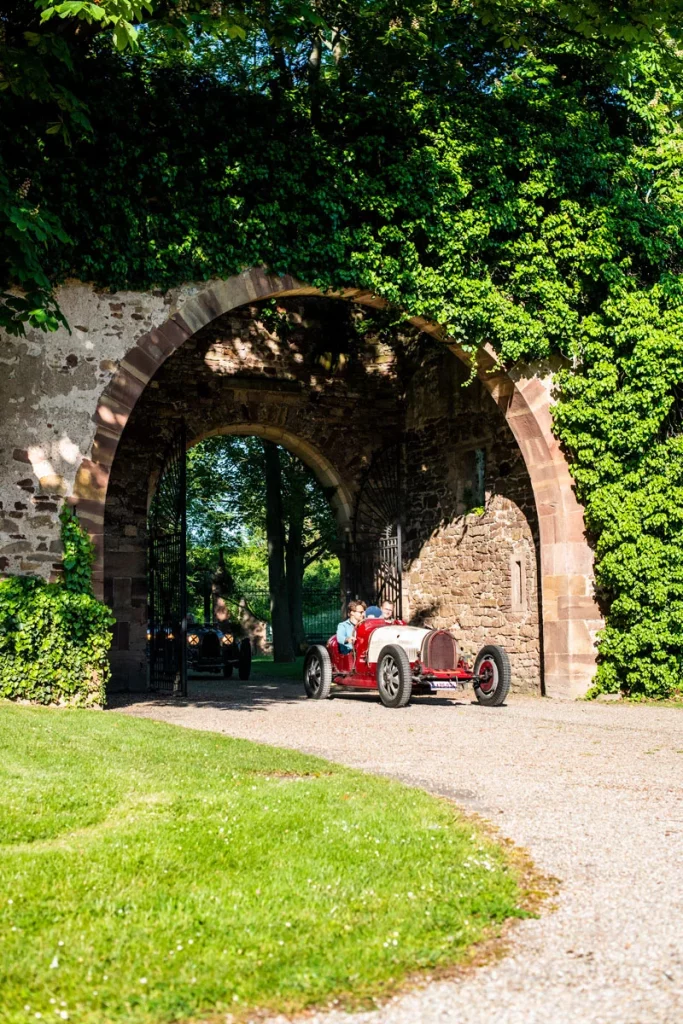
[[150, 873], [263, 666]]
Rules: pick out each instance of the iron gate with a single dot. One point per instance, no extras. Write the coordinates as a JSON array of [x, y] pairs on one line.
[[375, 561], [167, 572]]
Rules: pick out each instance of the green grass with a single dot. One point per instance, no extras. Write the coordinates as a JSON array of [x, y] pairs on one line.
[[150, 873], [263, 666]]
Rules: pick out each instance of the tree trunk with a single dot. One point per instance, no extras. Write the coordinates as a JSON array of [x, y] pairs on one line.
[[275, 533], [295, 564], [314, 59]]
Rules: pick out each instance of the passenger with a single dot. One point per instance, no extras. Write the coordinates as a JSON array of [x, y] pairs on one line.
[[373, 612], [346, 630], [388, 611]]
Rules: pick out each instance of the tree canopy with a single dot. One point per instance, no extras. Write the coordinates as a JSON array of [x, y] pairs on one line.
[[510, 168], [226, 519]]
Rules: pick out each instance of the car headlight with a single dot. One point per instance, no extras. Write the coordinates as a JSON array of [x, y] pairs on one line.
[[228, 638], [193, 639], [149, 635], [170, 636]]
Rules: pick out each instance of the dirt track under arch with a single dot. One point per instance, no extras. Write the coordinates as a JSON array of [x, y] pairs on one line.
[[594, 793]]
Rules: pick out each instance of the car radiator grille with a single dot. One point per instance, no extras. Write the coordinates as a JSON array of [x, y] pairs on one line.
[[439, 652]]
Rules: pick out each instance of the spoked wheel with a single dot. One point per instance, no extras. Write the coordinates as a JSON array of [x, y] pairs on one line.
[[394, 677], [244, 662], [492, 676], [317, 673]]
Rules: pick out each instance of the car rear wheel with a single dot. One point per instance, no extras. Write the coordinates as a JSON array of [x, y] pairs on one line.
[[394, 677], [244, 663], [492, 676], [317, 673]]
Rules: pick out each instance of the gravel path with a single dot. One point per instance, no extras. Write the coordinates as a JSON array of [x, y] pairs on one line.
[[592, 791]]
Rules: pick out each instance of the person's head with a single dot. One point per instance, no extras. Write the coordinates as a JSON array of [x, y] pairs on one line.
[[387, 610], [356, 611], [373, 612]]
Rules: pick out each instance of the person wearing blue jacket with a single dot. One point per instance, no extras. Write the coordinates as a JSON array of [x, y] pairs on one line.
[[346, 630]]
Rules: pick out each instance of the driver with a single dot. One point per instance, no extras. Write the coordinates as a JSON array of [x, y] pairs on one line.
[[346, 630], [387, 611]]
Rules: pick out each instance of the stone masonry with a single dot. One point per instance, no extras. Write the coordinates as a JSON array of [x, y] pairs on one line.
[[331, 408], [495, 504], [475, 572], [344, 397]]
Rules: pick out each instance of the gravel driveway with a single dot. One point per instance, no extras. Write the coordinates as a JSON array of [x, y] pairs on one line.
[[594, 792]]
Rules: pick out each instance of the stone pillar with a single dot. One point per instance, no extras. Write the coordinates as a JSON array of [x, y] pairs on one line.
[[571, 617]]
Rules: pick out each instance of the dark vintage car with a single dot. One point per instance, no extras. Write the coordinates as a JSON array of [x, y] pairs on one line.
[[209, 649]]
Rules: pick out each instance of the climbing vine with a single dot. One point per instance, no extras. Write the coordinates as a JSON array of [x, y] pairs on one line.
[[510, 170], [55, 637]]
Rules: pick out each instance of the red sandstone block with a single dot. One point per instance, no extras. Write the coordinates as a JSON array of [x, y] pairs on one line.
[[536, 396], [140, 364], [124, 388], [92, 507], [156, 345], [583, 608], [91, 481], [574, 527], [104, 449], [112, 415], [210, 304], [95, 530], [556, 637], [581, 635], [175, 330], [558, 679]]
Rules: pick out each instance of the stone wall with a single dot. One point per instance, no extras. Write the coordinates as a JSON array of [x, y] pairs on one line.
[[474, 572], [50, 386]]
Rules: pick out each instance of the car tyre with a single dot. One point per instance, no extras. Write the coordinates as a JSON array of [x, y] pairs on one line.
[[227, 671], [317, 673], [244, 661], [394, 677], [493, 662]]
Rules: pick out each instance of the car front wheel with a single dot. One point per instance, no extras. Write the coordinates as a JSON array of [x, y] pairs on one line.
[[492, 676], [317, 673], [394, 677]]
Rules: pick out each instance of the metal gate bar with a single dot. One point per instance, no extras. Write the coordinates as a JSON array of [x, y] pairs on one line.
[[375, 556]]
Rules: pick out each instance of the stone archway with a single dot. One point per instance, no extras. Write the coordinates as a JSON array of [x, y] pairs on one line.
[[569, 614]]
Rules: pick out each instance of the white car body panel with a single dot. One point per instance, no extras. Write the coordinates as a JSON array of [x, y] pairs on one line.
[[408, 637]]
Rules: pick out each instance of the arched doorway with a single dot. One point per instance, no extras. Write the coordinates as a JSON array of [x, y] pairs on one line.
[[568, 612]]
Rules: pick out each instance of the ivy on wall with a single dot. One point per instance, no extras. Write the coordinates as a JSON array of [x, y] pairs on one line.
[[513, 175], [55, 637]]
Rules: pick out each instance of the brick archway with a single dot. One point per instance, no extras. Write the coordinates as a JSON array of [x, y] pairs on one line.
[[570, 616]]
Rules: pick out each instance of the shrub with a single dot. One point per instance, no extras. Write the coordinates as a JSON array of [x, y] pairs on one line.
[[55, 637]]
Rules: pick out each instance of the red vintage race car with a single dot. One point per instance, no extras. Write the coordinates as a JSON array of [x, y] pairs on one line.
[[399, 660]]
